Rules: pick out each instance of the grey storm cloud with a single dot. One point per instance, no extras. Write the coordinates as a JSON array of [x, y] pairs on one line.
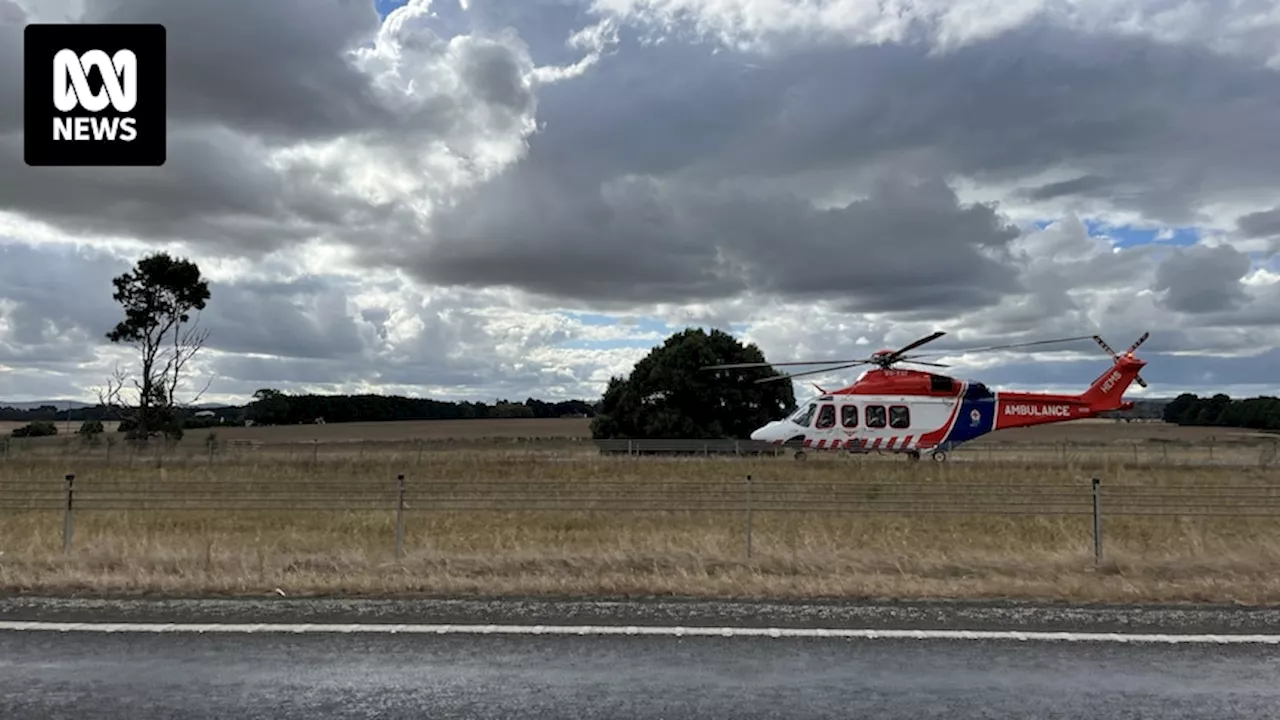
[[688, 185], [1202, 279], [12, 20], [303, 318], [671, 172], [274, 68], [1139, 119], [55, 316], [246, 79], [649, 241], [63, 298], [1264, 223]]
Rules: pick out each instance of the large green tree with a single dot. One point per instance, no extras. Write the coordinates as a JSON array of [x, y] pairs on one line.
[[158, 298], [669, 395]]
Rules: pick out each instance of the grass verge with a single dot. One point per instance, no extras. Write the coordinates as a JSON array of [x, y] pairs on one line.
[[529, 523]]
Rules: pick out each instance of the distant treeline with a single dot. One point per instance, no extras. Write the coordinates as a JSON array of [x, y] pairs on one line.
[[49, 413], [1259, 413], [271, 407]]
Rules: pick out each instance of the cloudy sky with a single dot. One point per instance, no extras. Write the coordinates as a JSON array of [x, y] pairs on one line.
[[511, 198]]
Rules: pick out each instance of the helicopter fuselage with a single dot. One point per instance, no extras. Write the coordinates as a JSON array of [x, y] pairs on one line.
[[916, 412]]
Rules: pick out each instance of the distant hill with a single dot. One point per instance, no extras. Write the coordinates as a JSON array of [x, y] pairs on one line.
[[59, 404]]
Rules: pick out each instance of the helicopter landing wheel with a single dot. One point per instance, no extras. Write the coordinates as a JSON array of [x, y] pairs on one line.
[[800, 455], [939, 456]]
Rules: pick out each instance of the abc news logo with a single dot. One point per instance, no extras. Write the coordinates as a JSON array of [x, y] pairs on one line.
[[95, 95], [71, 91]]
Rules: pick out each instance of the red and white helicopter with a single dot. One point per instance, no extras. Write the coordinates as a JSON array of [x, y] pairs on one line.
[[916, 412]]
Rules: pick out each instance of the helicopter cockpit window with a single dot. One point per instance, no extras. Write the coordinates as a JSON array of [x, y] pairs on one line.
[[826, 417], [941, 383], [805, 415]]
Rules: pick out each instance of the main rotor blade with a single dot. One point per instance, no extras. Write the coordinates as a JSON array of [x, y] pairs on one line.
[[961, 351], [739, 366], [918, 343], [810, 372], [921, 362]]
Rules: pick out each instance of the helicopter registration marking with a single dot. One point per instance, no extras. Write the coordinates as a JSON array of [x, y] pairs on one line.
[[1038, 410]]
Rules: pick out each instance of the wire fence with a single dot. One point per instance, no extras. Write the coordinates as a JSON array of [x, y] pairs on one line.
[[744, 497], [1209, 452]]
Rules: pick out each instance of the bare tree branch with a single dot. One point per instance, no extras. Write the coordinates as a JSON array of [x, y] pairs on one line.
[[109, 396]]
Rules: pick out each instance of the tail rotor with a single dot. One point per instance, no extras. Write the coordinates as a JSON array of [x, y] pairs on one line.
[[1128, 353]]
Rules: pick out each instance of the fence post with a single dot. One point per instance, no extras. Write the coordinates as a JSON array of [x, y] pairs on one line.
[[68, 514], [1097, 522], [399, 517], [748, 517]]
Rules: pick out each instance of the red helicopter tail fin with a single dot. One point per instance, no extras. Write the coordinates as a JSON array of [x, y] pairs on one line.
[[1107, 391]]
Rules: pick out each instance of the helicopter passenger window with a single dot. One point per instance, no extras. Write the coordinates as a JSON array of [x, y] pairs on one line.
[[875, 416], [899, 417], [826, 417], [849, 416], [805, 415]]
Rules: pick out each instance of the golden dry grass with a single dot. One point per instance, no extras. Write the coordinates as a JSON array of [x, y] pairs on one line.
[[210, 548]]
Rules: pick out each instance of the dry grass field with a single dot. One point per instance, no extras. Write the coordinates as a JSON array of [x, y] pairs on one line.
[[379, 431], [64, 428], [485, 514], [1080, 432]]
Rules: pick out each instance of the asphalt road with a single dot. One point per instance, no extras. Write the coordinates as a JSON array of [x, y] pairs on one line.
[[279, 676], [52, 675]]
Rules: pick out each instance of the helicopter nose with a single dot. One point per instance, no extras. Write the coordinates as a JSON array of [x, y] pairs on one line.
[[761, 433]]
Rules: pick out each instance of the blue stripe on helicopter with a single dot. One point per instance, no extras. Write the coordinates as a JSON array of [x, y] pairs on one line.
[[976, 418]]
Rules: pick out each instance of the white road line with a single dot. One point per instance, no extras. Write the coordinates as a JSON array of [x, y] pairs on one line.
[[663, 631]]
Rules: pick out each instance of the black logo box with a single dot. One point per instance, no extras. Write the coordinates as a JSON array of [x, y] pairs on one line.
[[41, 42]]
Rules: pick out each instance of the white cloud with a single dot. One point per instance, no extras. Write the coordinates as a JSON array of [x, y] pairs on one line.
[[1241, 27]]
